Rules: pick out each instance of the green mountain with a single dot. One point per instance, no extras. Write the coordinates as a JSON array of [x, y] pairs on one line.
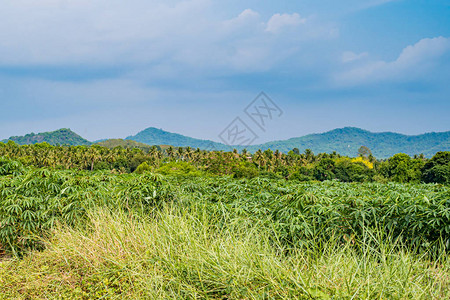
[[58, 137], [154, 136], [345, 141]]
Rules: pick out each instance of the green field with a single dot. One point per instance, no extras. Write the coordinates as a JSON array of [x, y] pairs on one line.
[[86, 235]]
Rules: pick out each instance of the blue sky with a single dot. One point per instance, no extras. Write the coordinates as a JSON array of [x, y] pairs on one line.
[[110, 68]]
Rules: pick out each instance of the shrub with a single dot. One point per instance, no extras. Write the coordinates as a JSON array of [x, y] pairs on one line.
[[179, 168], [10, 167], [244, 170], [144, 167], [437, 169], [347, 170]]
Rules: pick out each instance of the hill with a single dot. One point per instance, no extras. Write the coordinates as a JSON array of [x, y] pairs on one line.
[[112, 143], [62, 136], [154, 136], [346, 141]]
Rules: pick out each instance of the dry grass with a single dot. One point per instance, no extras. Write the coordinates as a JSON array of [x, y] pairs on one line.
[[180, 255]]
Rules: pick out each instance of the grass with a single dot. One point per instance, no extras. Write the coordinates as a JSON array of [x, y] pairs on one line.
[[182, 254]]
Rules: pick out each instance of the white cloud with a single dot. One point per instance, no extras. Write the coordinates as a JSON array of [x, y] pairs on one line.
[[155, 33], [56, 32], [247, 15], [279, 21], [425, 50], [415, 61]]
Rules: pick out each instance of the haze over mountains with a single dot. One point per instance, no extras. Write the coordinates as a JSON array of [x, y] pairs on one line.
[[345, 141]]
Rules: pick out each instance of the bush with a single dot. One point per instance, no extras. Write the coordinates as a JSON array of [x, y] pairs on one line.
[[283, 171], [437, 169], [270, 175], [299, 176], [182, 254], [179, 168], [244, 170], [10, 167], [33, 203], [144, 167], [349, 171], [101, 165]]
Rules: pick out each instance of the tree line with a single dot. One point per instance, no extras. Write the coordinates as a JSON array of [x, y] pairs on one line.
[[187, 161]]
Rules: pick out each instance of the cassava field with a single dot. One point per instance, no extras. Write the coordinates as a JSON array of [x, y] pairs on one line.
[[167, 233]]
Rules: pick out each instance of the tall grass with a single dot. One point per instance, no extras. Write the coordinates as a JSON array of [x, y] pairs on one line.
[[179, 254]]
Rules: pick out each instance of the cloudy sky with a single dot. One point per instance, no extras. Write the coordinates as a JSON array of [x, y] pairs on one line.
[[110, 68]]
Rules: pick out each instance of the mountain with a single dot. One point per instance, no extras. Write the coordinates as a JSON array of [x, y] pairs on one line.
[[58, 137], [346, 141], [154, 136]]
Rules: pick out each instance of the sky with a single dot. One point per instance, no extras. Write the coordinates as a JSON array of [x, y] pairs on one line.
[[110, 68]]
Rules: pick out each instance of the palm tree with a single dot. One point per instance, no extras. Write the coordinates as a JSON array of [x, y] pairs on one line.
[[181, 153], [259, 158], [170, 152], [309, 155]]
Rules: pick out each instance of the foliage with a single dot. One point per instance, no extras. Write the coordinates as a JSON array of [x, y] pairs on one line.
[[186, 255], [178, 169], [417, 214], [437, 169], [10, 167], [269, 164], [181, 235], [35, 201], [364, 152], [144, 167], [354, 170], [401, 168], [364, 161], [244, 170], [324, 170], [302, 174]]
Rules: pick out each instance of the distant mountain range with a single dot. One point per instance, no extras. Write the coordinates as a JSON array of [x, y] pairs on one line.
[[345, 141]]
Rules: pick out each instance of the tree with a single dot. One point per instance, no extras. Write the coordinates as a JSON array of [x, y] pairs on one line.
[[142, 168], [352, 171], [309, 155], [401, 168], [324, 170], [259, 158], [437, 169], [170, 152], [364, 151]]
